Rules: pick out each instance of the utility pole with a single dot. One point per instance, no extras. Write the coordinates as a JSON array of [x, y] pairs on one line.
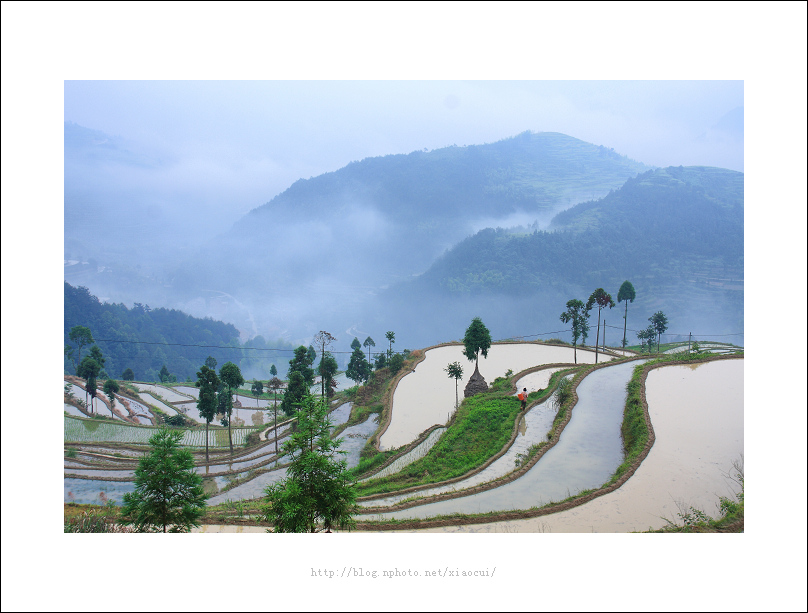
[[604, 335]]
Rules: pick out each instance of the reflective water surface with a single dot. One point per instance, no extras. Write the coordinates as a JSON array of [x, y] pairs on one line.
[[587, 453], [426, 396]]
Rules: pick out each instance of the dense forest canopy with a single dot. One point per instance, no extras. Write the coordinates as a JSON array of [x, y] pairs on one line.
[[146, 339], [676, 233], [670, 223]]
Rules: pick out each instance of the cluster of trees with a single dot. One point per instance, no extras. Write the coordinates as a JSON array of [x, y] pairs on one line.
[[577, 314], [477, 340], [216, 395], [91, 367], [659, 323], [360, 367]]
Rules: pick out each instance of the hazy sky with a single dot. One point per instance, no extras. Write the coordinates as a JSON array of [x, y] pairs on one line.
[[236, 144]]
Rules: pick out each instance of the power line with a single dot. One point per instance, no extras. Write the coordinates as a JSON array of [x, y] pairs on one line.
[[277, 349], [107, 340]]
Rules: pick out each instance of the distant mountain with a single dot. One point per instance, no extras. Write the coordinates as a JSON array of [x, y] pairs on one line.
[[333, 241], [675, 233]]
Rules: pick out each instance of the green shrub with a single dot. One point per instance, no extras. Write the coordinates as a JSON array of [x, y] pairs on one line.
[[90, 521]]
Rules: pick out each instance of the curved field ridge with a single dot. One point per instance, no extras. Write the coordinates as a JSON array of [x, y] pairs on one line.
[[405, 459], [426, 396], [531, 428], [515, 520], [583, 457]]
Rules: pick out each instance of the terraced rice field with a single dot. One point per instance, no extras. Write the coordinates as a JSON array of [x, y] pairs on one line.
[[426, 396], [90, 431], [586, 454], [698, 416]]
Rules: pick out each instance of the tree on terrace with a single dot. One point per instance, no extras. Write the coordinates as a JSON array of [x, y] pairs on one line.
[[317, 494], [110, 389], [257, 389], [208, 383], [323, 340], [626, 293], [576, 313], [368, 344], [358, 367], [477, 340], [168, 493], [327, 370], [275, 384], [455, 371], [660, 323], [602, 299], [89, 370], [390, 336], [296, 390], [648, 335], [230, 375]]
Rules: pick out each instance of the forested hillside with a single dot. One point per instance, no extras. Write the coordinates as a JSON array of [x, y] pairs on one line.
[[675, 233], [353, 225], [145, 339], [671, 223]]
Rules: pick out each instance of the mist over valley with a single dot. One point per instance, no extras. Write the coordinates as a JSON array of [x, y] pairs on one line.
[[394, 243]]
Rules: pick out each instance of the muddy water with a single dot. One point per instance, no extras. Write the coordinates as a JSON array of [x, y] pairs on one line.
[[166, 393], [139, 409], [125, 474], [587, 453], [168, 409], [254, 488], [71, 410], [698, 418], [354, 438], [98, 404], [340, 415], [248, 402], [535, 381], [532, 429], [414, 454], [87, 492], [190, 391], [426, 396]]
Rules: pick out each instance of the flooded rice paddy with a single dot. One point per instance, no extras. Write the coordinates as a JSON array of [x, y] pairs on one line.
[[340, 415], [535, 381], [85, 491], [587, 453], [166, 393], [170, 410], [354, 438], [408, 458], [697, 412], [426, 396], [532, 429]]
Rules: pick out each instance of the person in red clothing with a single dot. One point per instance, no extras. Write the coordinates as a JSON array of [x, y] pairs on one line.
[[523, 397]]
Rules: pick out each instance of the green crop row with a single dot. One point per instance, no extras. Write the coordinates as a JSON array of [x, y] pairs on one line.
[[95, 431]]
